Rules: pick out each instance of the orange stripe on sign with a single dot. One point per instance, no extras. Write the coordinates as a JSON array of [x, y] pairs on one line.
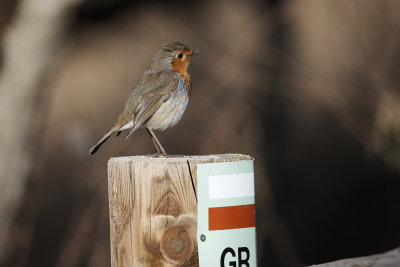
[[233, 217]]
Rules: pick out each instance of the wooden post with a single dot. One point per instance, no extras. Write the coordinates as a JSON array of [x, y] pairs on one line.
[[153, 209]]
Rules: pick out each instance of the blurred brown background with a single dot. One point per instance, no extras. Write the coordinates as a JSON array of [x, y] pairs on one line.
[[310, 89]]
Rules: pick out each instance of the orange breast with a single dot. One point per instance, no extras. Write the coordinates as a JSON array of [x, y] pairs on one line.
[[181, 67]]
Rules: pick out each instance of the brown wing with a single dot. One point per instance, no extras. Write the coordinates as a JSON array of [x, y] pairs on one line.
[[151, 91]]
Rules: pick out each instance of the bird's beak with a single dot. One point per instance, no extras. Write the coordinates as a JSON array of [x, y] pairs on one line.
[[195, 52]]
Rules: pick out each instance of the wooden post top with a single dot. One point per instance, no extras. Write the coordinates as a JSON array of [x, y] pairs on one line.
[[181, 158]]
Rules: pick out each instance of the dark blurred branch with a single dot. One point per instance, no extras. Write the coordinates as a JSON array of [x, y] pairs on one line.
[[390, 258], [28, 48]]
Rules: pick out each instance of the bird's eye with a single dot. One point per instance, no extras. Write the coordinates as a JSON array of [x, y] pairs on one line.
[[180, 55]]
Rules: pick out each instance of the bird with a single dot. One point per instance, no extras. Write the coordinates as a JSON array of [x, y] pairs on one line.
[[160, 96]]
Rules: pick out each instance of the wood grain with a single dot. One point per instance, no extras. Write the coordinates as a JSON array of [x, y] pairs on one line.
[[153, 209]]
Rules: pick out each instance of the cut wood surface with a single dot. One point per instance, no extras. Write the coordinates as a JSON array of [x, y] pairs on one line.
[[153, 209]]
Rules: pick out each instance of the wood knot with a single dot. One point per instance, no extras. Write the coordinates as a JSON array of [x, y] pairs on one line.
[[176, 245]]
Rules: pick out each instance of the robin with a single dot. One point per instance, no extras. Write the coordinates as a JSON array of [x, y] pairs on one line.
[[160, 96]]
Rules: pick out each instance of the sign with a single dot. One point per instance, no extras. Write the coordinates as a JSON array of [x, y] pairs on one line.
[[226, 233]]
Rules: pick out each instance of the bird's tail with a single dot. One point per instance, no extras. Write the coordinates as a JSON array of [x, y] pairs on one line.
[[102, 140]]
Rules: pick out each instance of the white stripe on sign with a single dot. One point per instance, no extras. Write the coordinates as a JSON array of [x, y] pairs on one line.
[[231, 185]]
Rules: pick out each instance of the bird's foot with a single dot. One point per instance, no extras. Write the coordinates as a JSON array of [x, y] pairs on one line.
[[159, 155]]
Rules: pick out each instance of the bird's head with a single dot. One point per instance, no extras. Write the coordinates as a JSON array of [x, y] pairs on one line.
[[173, 56]]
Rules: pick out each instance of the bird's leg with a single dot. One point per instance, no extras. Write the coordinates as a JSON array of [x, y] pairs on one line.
[[156, 143]]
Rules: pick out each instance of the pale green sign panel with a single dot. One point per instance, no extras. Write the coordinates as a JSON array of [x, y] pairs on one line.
[[226, 232]]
